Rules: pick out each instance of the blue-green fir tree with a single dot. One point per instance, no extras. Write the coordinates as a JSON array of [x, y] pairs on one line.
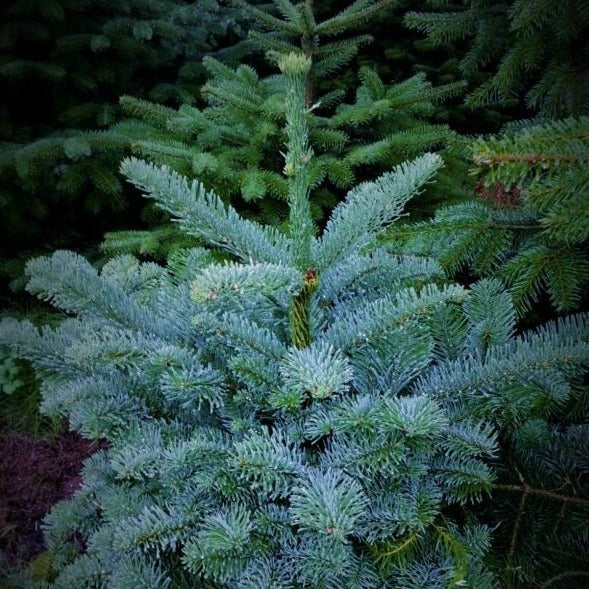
[[289, 408]]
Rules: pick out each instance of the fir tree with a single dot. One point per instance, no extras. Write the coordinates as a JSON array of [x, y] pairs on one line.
[[539, 49], [529, 223], [309, 411], [63, 66], [231, 144]]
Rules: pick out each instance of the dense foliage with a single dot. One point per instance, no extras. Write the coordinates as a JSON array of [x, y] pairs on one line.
[[540, 48], [528, 223], [294, 383], [63, 66]]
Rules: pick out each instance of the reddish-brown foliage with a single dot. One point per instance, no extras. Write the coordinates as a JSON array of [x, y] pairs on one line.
[[498, 194], [35, 473]]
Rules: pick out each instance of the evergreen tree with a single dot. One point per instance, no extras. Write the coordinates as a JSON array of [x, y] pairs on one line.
[[63, 66], [529, 224], [539, 49], [308, 412], [231, 144]]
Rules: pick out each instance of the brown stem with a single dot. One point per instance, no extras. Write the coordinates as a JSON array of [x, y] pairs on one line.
[[559, 518], [514, 535], [470, 226], [516, 527], [524, 488], [530, 158]]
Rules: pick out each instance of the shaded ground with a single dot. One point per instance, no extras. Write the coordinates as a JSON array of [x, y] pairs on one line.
[[35, 473]]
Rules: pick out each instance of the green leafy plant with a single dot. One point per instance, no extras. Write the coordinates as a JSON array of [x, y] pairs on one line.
[[9, 375], [19, 397]]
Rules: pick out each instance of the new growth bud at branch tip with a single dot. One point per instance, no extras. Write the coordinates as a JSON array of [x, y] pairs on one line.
[[294, 64]]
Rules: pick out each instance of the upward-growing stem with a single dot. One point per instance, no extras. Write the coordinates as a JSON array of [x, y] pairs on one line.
[[295, 68]]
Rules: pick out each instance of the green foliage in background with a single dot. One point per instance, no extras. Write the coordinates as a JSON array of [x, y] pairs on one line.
[[232, 143], [63, 66], [535, 49], [81, 55], [529, 224]]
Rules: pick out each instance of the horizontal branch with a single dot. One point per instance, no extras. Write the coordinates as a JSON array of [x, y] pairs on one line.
[[541, 493], [528, 158]]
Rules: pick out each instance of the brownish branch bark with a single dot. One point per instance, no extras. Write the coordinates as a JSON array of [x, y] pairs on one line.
[[529, 158], [542, 493]]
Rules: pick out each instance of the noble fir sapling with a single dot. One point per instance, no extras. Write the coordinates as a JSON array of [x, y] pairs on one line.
[[310, 412]]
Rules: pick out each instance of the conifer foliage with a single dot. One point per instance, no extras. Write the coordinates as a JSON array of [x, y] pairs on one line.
[[539, 48], [63, 66], [529, 223], [309, 411], [79, 55], [232, 144]]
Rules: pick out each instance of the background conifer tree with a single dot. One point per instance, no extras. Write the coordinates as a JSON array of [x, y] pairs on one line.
[[63, 66], [231, 143], [535, 49], [528, 224]]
